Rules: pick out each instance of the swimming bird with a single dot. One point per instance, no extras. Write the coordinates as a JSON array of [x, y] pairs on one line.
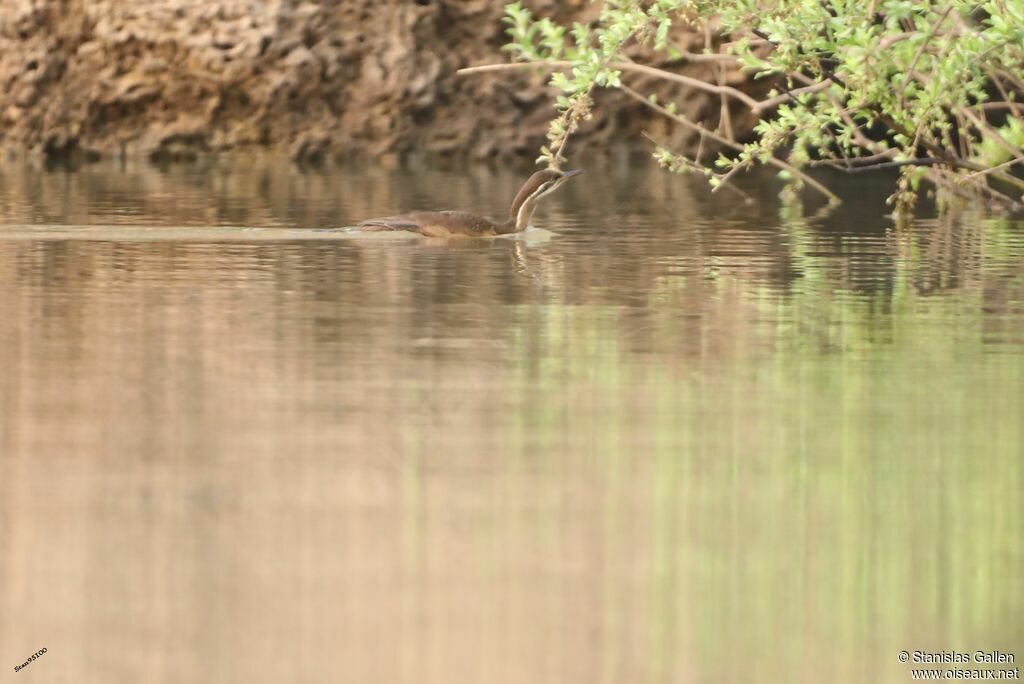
[[463, 224]]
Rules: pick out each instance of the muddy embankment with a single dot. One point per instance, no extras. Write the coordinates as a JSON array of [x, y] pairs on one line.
[[317, 80]]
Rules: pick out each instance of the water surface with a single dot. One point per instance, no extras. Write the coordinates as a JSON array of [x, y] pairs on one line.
[[685, 440]]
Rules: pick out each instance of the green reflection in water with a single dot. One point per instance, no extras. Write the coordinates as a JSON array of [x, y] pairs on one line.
[[843, 485]]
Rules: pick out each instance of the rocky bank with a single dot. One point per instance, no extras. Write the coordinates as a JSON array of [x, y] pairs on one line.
[[173, 78]]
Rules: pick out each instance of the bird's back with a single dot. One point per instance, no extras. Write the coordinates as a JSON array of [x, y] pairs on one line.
[[434, 224]]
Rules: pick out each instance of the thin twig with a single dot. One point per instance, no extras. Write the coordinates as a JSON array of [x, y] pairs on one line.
[[995, 106], [1014, 107], [698, 57], [825, 69], [1014, 81], [791, 95], [994, 169], [956, 186], [986, 128], [698, 168], [921, 49], [723, 181], [889, 41], [871, 12], [572, 122], [774, 161]]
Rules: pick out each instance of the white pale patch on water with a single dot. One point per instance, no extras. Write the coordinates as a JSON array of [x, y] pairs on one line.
[[531, 234]]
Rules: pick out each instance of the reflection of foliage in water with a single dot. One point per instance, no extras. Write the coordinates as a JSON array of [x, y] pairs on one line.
[[847, 477]]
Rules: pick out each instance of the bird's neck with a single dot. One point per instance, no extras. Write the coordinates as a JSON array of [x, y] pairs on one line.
[[520, 213]]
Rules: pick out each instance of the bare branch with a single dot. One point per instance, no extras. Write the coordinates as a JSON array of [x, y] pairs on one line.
[[847, 162], [624, 66], [862, 168], [724, 116], [755, 105]]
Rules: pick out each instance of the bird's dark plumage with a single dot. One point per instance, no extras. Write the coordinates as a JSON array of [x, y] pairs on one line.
[[463, 224]]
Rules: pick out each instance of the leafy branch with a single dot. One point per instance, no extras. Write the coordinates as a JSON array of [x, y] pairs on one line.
[[930, 89]]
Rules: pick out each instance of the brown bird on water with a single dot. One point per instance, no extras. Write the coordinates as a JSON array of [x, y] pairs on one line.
[[462, 224]]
